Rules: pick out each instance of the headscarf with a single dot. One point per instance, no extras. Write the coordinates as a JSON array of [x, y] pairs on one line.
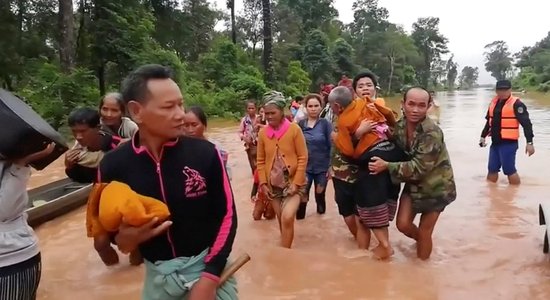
[[275, 98]]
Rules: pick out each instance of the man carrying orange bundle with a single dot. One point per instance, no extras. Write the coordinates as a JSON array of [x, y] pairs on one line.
[[375, 196], [185, 255]]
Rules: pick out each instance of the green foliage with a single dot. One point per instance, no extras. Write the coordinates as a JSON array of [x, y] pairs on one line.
[[163, 57], [312, 14], [534, 64], [468, 77], [45, 85], [452, 73], [316, 59], [431, 45], [297, 81], [252, 87], [343, 56], [498, 60], [111, 38]]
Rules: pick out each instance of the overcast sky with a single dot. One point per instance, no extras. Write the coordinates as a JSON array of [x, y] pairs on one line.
[[468, 24]]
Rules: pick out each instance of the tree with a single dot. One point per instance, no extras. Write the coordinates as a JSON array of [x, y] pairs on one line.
[[297, 81], [498, 60], [452, 73], [185, 26], [468, 77], [342, 55], [231, 7], [368, 17], [286, 24], [302, 44], [399, 49], [430, 43], [317, 60], [200, 21], [438, 73], [121, 31], [534, 65], [66, 30], [369, 25], [312, 14], [251, 24], [268, 43]]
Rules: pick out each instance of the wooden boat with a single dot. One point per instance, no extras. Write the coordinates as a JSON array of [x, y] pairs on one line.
[[544, 219], [55, 199]]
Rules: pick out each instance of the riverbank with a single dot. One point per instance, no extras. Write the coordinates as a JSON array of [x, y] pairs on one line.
[[544, 97]]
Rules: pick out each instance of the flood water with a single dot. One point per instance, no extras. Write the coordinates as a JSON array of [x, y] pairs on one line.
[[487, 244]]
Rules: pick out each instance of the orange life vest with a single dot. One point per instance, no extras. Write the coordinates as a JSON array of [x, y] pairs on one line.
[[509, 125]]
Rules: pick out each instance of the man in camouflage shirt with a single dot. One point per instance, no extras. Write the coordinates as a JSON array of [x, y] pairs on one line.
[[428, 175]]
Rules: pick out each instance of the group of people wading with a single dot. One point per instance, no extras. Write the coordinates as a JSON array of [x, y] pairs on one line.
[[160, 152], [363, 148]]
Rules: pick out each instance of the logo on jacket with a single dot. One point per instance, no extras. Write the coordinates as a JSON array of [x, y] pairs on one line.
[[195, 184]]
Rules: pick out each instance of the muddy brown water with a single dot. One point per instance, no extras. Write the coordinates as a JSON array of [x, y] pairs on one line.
[[488, 244]]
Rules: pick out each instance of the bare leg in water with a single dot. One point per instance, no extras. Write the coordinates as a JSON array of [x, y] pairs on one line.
[[425, 231], [383, 250], [405, 217], [492, 177], [286, 214], [421, 234], [107, 253], [514, 179], [363, 235], [352, 225]]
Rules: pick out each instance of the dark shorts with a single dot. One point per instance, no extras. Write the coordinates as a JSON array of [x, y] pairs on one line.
[[344, 197], [503, 155]]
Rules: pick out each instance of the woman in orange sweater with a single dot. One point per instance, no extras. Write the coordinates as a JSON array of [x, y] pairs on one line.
[[281, 164]]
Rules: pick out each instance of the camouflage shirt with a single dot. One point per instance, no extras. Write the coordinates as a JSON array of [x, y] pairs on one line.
[[429, 174], [340, 168]]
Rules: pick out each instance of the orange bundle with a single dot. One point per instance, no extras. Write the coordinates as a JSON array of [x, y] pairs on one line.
[[110, 204]]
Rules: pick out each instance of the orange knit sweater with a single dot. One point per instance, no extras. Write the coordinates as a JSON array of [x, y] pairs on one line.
[[293, 149]]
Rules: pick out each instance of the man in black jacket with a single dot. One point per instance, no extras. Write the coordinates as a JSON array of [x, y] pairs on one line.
[[185, 173]]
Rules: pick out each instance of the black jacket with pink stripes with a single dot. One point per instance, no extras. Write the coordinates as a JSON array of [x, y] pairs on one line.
[[190, 178]]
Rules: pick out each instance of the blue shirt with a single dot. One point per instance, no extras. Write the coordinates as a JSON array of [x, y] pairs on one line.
[[318, 145]]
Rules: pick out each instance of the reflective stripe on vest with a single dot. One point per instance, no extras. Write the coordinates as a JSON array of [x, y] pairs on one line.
[[509, 125]]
